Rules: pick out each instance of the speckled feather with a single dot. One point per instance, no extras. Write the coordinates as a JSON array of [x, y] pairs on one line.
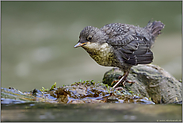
[[121, 45]]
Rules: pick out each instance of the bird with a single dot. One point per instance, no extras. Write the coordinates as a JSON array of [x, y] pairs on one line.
[[120, 45]]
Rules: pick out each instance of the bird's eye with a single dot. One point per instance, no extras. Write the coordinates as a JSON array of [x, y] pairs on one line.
[[89, 38]]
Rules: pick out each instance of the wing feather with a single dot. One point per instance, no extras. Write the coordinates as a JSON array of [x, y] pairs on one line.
[[133, 51]]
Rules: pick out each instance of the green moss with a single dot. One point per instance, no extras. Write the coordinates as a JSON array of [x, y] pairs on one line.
[[46, 90]]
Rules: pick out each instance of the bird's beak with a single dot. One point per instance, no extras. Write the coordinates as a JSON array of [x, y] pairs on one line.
[[79, 44]]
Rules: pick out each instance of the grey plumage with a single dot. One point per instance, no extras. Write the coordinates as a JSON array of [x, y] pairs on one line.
[[120, 45]]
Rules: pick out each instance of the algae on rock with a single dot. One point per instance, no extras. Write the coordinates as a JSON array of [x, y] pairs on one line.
[[151, 81]]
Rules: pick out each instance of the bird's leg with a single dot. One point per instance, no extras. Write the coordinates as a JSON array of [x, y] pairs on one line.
[[122, 80], [115, 81], [132, 82]]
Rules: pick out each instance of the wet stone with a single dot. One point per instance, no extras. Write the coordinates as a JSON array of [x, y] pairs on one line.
[[150, 81], [82, 92], [91, 92]]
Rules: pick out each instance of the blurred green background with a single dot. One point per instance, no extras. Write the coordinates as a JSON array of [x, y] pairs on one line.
[[38, 39]]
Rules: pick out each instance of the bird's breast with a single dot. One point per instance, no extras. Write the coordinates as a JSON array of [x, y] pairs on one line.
[[101, 53]]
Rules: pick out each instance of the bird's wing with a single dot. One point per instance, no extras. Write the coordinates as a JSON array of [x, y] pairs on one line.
[[133, 49]]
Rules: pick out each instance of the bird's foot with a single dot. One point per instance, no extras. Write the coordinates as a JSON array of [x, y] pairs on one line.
[[122, 79], [131, 82], [120, 88], [123, 83], [115, 81]]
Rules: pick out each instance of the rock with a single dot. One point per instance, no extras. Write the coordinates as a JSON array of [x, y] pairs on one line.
[[151, 81], [76, 93], [95, 92]]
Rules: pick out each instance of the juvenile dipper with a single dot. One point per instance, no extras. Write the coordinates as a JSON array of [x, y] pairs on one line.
[[120, 45]]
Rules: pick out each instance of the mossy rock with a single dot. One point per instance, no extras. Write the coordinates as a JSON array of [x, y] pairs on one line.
[[151, 81], [78, 92]]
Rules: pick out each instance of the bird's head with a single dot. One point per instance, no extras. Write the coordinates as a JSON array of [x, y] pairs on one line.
[[90, 37]]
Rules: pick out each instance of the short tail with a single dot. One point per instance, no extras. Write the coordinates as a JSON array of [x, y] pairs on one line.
[[155, 27]]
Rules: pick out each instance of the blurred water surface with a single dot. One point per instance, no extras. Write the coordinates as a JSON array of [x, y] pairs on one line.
[[38, 39], [104, 112]]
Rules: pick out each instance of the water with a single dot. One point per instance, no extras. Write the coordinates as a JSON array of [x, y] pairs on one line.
[[107, 112]]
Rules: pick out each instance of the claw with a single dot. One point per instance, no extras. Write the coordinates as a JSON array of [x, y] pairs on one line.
[[122, 80]]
